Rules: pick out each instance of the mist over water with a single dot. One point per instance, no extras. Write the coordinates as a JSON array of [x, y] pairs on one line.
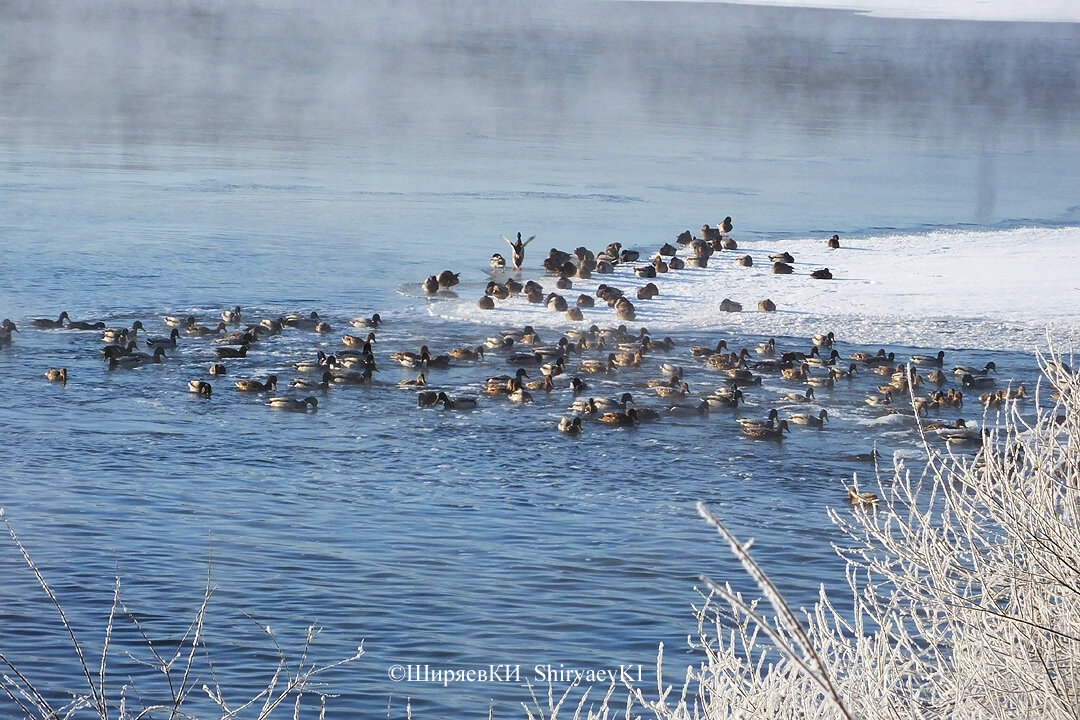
[[167, 158]]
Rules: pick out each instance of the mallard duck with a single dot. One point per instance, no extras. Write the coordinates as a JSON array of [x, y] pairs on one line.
[[721, 346], [231, 352], [248, 385], [723, 398], [797, 398], [321, 362], [498, 384], [553, 369], [301, 384], [202, 331], [822, 274], [766, 348], [547, 384], [800, 373], [218, 369], [817, 421], [427, 398], [962, 370], [352, 377], [825, 340], [757, 422], [613, 404], [459, 353], [419, 381], [976, 381], [527, 358], [352, 341], [520, 396], [164, 342], [861, 499], [232, 316], [200, 387], [937, 377], [880, 400], [80, 325], [864, 357], [958, 424], [570, 425], [689, 410], [784, 257], [57, 375], [584, 406], [766, 432], [372, 322], [671, 392], [47, 323], [134, 360], [598, 366], [117, 335], [628, 359], [620, 419], [930, 360], [457, 403], [294, 404], [177, 321]]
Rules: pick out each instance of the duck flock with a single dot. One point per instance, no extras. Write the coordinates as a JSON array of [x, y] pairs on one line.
[[586, 374]]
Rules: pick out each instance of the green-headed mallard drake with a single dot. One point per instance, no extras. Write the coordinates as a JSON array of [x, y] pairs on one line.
[[294, 404], [164, 342], [929, 360], [624, 418], [200, 388], [766, 432], [817, 421], [248, 385], [232, 316], [372, 322], [570, 425], [457, 403]]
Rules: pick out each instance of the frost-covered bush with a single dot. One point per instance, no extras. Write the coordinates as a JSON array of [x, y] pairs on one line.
[[965, 578]]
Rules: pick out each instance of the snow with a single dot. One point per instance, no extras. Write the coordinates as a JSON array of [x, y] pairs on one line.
[[996, 290]]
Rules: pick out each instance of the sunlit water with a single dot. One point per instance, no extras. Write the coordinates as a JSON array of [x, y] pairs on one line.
[[177, 161]]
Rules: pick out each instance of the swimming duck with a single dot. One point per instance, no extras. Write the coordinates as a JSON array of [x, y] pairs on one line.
[[218, 369], [722, 398], [570, 425], [547, 384], [756, 422], [962, 370], [817, 421], [721, 345], [321, 362], [628, 359], [577, 385], [202, 331], [937, 377], [6, 328], [625, 418], [177, 321], [977, 381], [57, 375], [352, 341], [164, 342], [669, 392], [689, 410], [231, 352], [299, 384], [134, 360], [476, 353], [528, 358], [797, 398], [431, 285], [81, 325], [820, 362], [200, 388], [353, 377], [824, 340], [419, 381], [613, 404], [498, 384], [427, 398], [118, 335], [232, 316], [520, 396], [880, 400], [842, 374], [372, 322], [553, 369], [47, 323], [958, 424], [766, 348], [247, 385], [931, 360], [598, 366], [766, 432], [294, 404], [827, 382], [457, 403], [861, 499], [800, 373]]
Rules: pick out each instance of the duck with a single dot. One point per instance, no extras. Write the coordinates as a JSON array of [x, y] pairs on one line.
[[861, 499], [301, 384], [766, 432], [583, 406], [202, 330], [57, 375], [797, 398], [248, 385], [497, 262], [976, 381], [419, 381], [689, 410], [353, 377], [833, 243], [784, 257], [457, 403], [824, 340], [757, 422], [673, 392], [929, 360], [880, 399], [725, 398], [800, 373], [164, 342], [879, 359], [958, 424], [49, 324], [817, 421], [134, 360], [842, 374], [118, 335], [476, 353], [820, 362], [308, 322], [864, 357], [721, 346], [81, 325], [520, 396], [937, 377], [962, 370], [499, 384], [448, 279], [628, 359], [822, 274], [827, 382], [6, 328], [766, 348], [782, 268], [613, 404], [200, 388], [598, 366], [177, 321], [570, 425], [232, 316], [321, 362], [231, 352], [372, 322], [553, 369], [547, 384], [625, 418], [431, 285], [427, 398], [218, 369], [352, 341], [294, 404]]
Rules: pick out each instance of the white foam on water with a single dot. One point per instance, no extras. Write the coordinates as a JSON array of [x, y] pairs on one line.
[[995, 290]]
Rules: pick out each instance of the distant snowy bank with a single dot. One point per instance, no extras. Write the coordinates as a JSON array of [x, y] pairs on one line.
[[952, 289]]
